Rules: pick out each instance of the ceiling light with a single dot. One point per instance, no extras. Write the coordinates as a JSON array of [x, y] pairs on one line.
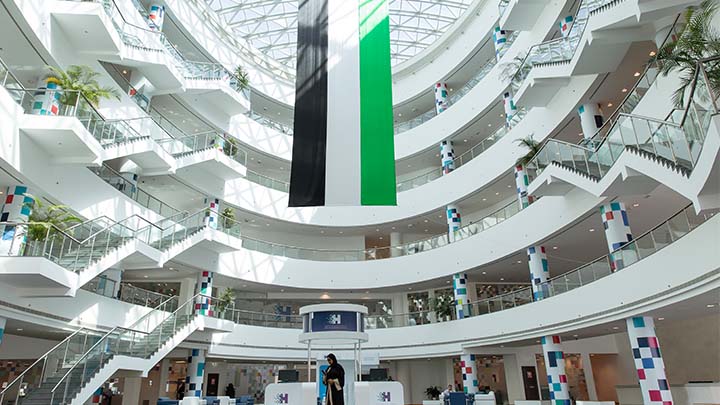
[[502, 279], [497, 193], [519, 262], [610, 104], [636, 74], [575, 335], [377, 230], [393, 228], [399, 114], [489, 125], [624, 90], [661, 319], [653, 53], [484, 199], [591, 229], [710, 305], [426, 230], [615, 328], [464, 140], [410, 225], [341, 232], [425, 221], [124, 72], [19, 329], [381, 238], [145, 276], [484, 272], [636, 205], [555, 247]]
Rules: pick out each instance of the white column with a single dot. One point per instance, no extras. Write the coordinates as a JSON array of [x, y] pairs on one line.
[[591, 119], [195, 373], [157, 17], [589, 376], [500, 40], [555, 367], [648, 361], [131, 390], [3, 322], [618, 234], [470, 381], [212, 214], [565, 25], [441, 97], [510, 107], [46, 100], [17, 207], [204, 287], [164, 375], [395, 242]]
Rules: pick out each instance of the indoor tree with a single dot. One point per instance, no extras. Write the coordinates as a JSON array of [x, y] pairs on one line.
[[81, 79], [533, 147], [443, 304], [698, 40], [242, 79], [46, 220], [225, 300]]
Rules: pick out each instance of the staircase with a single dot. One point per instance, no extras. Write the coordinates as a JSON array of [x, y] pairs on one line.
[[73, 370]]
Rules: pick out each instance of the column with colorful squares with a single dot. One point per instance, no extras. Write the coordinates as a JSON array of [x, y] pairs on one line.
[[16, 209], [648, 361], [539, 276], [156, 16], [203, 303], [470, 381], [500, 40], [441, 97], [555, 367], [618, 234], [195, 373]]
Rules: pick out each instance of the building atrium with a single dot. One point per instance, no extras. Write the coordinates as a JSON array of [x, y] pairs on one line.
[[399, 202]]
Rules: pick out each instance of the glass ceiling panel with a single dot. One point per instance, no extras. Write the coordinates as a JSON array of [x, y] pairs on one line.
[[271, 25]]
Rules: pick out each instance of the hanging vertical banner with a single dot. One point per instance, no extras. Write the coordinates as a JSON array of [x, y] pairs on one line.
[[343, 146]]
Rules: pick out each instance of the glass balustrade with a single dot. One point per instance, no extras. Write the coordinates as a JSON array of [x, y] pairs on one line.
[[189, 144]]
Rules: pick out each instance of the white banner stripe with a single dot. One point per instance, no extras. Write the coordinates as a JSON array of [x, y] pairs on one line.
[[342, 170]]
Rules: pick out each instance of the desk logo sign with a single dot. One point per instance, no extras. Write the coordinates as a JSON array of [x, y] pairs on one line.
[[334, 321], [282, 398], [384, 397]]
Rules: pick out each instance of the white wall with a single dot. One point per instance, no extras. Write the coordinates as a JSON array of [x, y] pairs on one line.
[[16, 347]]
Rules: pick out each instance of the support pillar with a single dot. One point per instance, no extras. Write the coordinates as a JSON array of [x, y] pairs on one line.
[[195, 373], [555, 367], [157, 17], [565, 25], [591, 119], [17, 208], [539, 272], [212, 213], [395, 242], [510, 107], [163, 383], [500, 40], [203, 303], [3, 322], [648, 361], [447, 156], [589, 376], [441, 97], [460, 292], [454, 220], [470, 381], [46, 100], [521, 185], [618, 234]]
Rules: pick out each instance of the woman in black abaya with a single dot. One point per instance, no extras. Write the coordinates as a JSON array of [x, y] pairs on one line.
[[334, 379]]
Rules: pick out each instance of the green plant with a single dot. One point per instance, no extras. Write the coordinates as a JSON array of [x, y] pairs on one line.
[[533, 147], [47, 220], [432, 392], [698, 40], [225, 299], [228, 216], [508, 70], [230, 146], [443, 304], [81, 79], [242, 78]]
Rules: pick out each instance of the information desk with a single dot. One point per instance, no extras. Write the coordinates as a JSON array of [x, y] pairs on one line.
[[366, 393]]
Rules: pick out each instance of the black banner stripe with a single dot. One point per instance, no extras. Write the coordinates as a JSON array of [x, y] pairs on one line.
[[307, 177]]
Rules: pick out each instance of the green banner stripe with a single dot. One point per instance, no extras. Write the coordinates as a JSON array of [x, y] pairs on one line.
[[377, 147]]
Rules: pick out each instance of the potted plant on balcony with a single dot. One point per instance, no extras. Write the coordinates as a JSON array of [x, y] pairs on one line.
[[697, 41], [443, 304], [224, 301], [47, 220], [228, 217], [533, 147], [242, 80], [230, 146], [80, 80]]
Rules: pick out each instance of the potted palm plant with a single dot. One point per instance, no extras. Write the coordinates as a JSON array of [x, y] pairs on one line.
[[228, 217], [230, 146], [432, 392], [80, 80], [225, 300], [242, 80], [697, 41], [47, 220], [443, 304], [533, 147]]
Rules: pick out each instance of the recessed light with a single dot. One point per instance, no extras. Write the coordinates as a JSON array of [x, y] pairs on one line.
[[410, 225], [425, 221], [426, 230], [636, 205], [636, 74], [555, 247], [124, 72], [710, 305], [171, 268], [653, 53], [502, 279], [519, 262], [464, 140], [624, 90], [399, 114], [484, 199], [615, 328], [484, 272], [661, 319], [341, 232], [509, 185], [393, 228], [381, 238], [575, 335], [591, 230], [377, 230], [610, 104], [19, 329], [145, 276], [489, 125], [497, 193]]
